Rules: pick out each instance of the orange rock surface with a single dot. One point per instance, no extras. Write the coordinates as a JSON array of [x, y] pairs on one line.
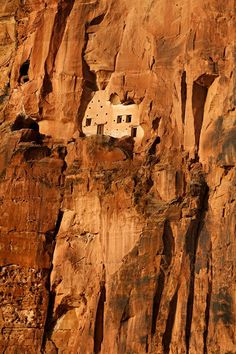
[[107, 245]]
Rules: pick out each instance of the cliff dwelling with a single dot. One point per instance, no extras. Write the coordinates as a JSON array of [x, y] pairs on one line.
[[104, 117]]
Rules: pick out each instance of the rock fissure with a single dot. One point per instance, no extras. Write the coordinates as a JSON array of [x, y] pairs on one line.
[[166, 340], [157, 300], [207, 313], [198, 102], [192, 239], [50, 240], [99, 321], [183, 95], [199, 96]]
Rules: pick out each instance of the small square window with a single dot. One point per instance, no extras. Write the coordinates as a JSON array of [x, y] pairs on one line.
[[119, 119], [128, 118], [134, 132], [88, 122]]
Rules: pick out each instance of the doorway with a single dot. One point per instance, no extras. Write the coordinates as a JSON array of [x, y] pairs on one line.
[[100, 129], [134, 132]]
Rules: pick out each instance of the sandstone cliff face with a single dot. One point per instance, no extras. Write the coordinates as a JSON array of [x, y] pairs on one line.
[[107, 246]]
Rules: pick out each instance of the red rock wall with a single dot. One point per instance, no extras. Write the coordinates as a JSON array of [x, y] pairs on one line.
[[106, 247]]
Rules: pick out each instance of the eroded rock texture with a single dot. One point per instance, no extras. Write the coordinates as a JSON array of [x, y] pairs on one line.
[[106, 245]]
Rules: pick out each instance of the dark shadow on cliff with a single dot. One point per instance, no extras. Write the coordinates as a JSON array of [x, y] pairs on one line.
[[191, 245]]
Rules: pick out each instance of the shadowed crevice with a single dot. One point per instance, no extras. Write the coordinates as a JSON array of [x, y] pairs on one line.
[[199, 95], [152, 149], [24, 122], [48, 328], [24, 72], [168, 249], [99, 321], [166, 340], [50, 244], [183, 95], [58, 223], [198, 104], [168, 243], [191, 246], [207, 316], [157, 300], [97, 20]]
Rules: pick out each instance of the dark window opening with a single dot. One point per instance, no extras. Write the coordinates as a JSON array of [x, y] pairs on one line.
[[119, 119], [24, 77], [134, 132], [100, 129], [88, 122], [128, 118]]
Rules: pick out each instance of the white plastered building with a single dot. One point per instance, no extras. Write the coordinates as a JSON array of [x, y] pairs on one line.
[[103, 117]]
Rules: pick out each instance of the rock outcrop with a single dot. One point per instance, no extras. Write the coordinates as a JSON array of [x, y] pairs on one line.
[[108, 245]]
